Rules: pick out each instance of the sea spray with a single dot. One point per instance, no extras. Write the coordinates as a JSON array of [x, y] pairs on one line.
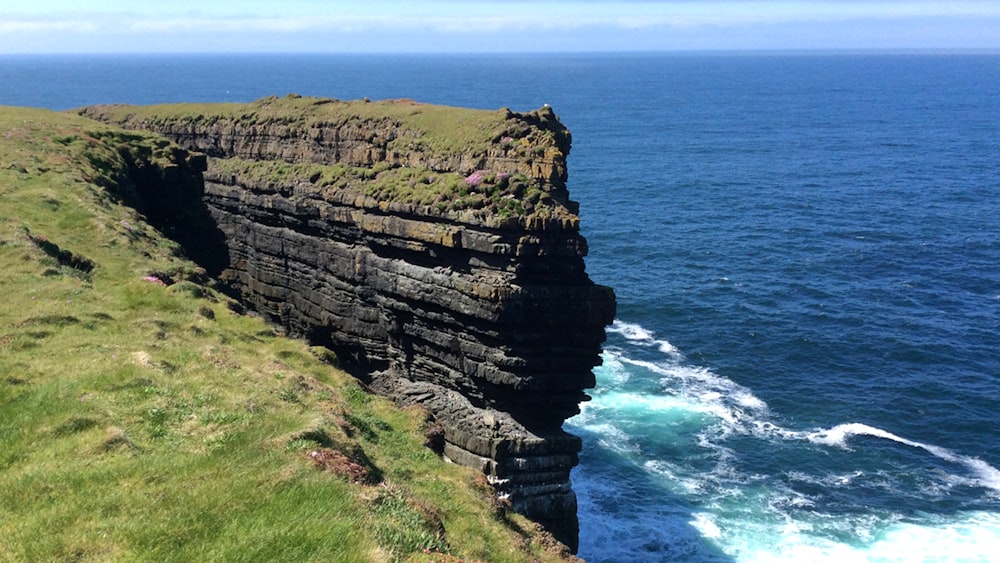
[[735, 481]]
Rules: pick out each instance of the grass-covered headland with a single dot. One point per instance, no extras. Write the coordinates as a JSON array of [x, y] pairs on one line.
[[143, 416], [388, 152]]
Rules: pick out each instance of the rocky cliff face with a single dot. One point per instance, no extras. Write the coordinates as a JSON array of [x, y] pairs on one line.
[[434, 249]]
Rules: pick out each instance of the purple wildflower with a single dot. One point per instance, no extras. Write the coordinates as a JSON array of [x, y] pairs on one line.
[[475, 178]]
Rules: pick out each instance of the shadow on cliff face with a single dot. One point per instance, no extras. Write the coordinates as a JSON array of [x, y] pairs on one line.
[[169, 193], [355, 360]]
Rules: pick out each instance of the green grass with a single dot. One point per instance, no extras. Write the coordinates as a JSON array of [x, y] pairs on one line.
[[429, 128], [146, 422], [504, 195], [435, 132]]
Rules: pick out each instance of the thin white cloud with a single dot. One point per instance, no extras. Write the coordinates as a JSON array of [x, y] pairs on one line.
[[483, 16], [312, 24], [47, 26]]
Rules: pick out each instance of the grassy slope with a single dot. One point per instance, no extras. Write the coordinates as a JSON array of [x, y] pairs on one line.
[[145, 422]]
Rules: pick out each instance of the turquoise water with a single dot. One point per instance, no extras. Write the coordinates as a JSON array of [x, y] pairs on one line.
[[805, 248], [805, 366]]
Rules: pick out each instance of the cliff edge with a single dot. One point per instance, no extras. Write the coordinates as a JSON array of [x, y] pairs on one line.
[[434, 249]]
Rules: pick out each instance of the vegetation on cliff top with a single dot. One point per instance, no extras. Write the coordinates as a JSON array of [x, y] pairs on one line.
[[400, 127], [145, 419], [485, 195], [432, 129]]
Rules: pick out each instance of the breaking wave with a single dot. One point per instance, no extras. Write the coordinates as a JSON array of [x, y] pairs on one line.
[[738, 483]]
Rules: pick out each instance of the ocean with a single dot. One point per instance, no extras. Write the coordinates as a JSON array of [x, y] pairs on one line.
[[806, 253]]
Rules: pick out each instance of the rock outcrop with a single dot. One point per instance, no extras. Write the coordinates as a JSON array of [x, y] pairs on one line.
[[434, 249]]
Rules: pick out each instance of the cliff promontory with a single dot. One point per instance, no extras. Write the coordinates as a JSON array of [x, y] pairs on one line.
[[434, 249]]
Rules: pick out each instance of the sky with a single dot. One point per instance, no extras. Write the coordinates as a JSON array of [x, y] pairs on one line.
[[472, 26]]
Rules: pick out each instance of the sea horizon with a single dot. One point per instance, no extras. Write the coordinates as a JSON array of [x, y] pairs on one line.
[[804, 246]]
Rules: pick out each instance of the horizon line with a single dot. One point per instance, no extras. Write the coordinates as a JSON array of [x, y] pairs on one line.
[[700, 51]]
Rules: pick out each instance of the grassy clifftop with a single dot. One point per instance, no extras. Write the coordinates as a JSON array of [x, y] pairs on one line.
[[143, 418], [493, 167], [436, 130]]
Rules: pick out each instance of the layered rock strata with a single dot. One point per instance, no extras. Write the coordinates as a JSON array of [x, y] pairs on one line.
[[435, 250]]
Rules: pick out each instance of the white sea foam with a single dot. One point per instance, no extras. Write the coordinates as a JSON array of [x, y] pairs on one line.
[[613, 366], [962, 538], [611, 437], [619, 400], [750, 517], [838, 435], [636, 334], [630, 331], [669, 349], [733, 406], [834, 480], [985, 474], [745, 398], [614, 529], [677, 475], [975, 537], [703, 523], [737, 410]]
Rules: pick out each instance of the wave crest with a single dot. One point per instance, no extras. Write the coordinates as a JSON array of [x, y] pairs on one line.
[[735, 409], [986, 475]]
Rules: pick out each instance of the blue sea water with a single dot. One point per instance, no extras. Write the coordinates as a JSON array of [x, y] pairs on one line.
[[806, 253]]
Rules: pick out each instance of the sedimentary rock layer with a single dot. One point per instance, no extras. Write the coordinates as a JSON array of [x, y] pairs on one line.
[[434, 249]]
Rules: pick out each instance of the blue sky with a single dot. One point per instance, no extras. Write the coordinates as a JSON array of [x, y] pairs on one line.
[[72, 26]]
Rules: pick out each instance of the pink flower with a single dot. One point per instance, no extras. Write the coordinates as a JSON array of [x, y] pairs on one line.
[[475, 178]]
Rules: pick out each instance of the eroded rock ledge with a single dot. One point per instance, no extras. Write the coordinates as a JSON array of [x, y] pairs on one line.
[[434, 249]]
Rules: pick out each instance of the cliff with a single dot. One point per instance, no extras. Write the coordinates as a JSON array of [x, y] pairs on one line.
[[434, 249]]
